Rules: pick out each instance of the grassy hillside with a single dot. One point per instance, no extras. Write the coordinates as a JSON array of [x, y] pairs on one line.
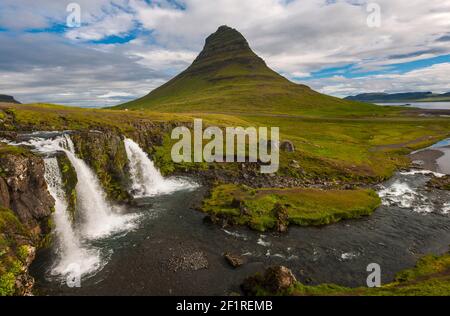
[[348, 148], [228, 77]]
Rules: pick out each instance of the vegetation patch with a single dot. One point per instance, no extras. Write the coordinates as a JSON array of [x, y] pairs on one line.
[[13, 251], [69, 182], [270, 208], [441, 183]]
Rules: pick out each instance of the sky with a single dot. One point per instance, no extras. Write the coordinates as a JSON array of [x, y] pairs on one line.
[[122, 49]]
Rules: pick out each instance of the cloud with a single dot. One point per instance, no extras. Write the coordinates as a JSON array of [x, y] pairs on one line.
[[433, 78], [45, 68], [297, 38], [114, 25]]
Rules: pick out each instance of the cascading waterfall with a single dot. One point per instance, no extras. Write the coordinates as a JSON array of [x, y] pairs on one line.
[[72, 257], [146, 179], [101, 218]]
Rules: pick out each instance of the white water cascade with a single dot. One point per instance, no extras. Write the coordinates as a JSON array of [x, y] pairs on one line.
[[146, 179], [72, 257], [101, 218]]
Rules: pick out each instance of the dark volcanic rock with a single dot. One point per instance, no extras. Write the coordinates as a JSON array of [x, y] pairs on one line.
[[282, 217], [24, 190], [25, 210]]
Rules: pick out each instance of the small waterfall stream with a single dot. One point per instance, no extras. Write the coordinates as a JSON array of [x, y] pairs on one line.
[[146, 179]]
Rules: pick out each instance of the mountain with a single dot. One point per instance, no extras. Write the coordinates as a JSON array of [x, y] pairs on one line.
[[8, 99], [227, 76], [400, 97]]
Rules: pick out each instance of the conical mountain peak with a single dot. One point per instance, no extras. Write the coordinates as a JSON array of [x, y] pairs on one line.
[[224, 46], [226, 38], [228, 76]]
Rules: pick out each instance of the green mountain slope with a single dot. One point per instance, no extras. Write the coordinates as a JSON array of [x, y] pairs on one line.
[[227, 76]]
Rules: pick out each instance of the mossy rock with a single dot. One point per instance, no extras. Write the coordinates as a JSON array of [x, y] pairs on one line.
[[272, 208], [14, 245], [69, 182], [105, 153]]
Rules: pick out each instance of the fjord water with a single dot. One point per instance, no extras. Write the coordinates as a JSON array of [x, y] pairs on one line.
[[422, 105], [412, 221]]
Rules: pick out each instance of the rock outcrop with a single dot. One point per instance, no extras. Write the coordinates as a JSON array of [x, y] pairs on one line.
[[104, 152], [233, 260], [25, 224], [275, 281], [441, 183]]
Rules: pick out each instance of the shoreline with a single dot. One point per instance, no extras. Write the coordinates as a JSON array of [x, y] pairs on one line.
[[426, 159]]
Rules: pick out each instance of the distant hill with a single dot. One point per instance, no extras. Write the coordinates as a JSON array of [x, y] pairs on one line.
[[227, 76], [400, 97], [8, 99]]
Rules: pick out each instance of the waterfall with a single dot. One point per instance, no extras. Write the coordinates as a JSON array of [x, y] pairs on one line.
[[72, 257], [146, 179], [101, 218], [76, 254]]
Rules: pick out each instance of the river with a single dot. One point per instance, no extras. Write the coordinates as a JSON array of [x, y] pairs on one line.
[[170, 250]]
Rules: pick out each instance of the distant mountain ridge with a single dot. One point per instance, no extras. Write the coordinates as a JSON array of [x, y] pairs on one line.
[[400, 97], [228, 77], [8, 99]]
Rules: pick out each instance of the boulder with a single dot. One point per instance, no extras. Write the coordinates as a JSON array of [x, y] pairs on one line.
[[234, 260], [287, 146], [275, 280]]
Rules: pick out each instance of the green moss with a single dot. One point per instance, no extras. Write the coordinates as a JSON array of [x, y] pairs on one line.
[[106, 155], [22, 253], [69, 181], [13, 255], [12, 150], [265, 209], [7, 284]]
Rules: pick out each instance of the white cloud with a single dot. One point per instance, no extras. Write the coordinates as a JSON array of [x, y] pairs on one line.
[[295, 37], [433, 78], [113, 25]]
